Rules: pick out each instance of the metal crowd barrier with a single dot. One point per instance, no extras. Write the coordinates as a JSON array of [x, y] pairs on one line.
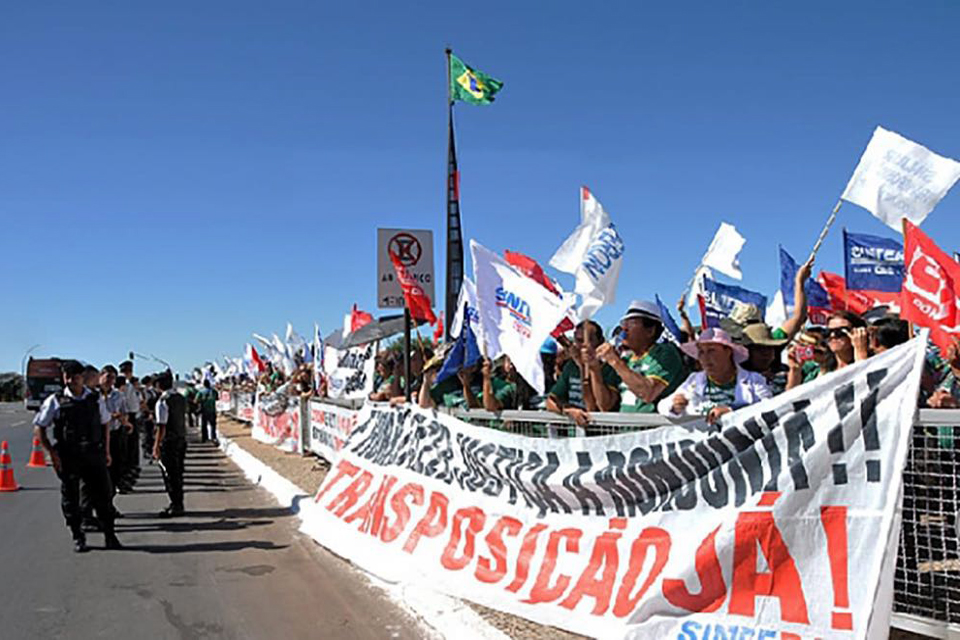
[[927, 578]]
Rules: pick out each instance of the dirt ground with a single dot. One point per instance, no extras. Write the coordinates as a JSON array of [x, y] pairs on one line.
[[307, 472]]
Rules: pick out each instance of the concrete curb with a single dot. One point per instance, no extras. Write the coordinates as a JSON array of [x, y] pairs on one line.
[[445, 616]]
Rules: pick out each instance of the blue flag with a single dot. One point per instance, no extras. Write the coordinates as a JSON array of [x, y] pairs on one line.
[[668, 322], [872, 263], [465, 352], [816, 294], [720, 299]]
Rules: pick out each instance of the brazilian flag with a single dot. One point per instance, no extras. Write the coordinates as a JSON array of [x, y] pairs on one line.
[[470, 85]]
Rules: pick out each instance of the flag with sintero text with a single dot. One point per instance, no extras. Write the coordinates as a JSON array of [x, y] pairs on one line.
[[778, 522], [898, 179]]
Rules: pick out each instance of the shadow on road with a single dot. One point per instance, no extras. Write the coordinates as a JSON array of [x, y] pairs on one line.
[[203, 547]]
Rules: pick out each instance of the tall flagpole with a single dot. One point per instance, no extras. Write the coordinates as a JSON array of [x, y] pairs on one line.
[[454, 271]]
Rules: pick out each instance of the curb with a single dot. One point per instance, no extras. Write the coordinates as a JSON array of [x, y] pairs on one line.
[[445, 616]]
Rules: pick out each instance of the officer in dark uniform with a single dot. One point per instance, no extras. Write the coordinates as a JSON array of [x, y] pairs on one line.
[[170, 446], [78, 450]]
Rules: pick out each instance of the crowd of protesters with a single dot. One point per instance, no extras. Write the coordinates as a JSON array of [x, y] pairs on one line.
[[638, 368]]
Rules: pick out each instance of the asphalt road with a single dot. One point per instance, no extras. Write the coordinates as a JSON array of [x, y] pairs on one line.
[[234, 567]]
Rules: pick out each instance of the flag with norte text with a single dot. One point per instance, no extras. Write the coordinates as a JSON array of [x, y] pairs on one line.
[[899, 179], [516, 313], [781, 521], [594, 254]]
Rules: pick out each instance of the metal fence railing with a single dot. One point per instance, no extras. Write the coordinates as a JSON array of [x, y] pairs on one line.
[[927, 579]]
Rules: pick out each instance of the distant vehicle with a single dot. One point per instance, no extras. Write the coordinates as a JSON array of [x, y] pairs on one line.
[[43, 379]]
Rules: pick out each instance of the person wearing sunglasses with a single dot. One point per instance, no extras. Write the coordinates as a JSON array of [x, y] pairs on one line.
[[847, 338]]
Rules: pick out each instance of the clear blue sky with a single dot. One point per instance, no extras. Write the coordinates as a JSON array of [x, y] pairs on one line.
[[176, 175]]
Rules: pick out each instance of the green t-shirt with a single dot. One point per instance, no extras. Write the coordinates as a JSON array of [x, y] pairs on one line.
[[568, 388], [718, 395], [208, 400], [661, 362], [449, 393], [809, 370]]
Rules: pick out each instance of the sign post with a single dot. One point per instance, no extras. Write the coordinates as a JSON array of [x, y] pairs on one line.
[[414, 248]]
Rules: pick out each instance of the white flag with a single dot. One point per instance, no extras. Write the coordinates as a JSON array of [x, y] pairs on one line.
[[898, 178], [516, 313], [724, 251], [285, 360], [295, 342], [594, 253], [776, 313], [698, 288]]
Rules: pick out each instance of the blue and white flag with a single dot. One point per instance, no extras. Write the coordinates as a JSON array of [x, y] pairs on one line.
[[872, 263], [594, 254], [465, 352], [668, 322], [816, 294], [720, 299]]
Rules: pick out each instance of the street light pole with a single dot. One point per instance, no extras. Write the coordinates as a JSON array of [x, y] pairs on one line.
[[23, 361]]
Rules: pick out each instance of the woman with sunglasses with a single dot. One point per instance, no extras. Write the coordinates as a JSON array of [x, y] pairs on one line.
[[847, 338]]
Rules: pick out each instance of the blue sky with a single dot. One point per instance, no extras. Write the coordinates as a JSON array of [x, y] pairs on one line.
[[175, 176]]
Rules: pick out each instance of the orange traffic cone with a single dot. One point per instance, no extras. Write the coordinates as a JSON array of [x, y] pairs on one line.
[[37, 457], [7, 483]]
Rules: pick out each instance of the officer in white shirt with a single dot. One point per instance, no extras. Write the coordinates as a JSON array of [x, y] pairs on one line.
[[133, 406], [72, 426]]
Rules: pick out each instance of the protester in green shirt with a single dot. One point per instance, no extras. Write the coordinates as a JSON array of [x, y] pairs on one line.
[[499, 392], [575, 396], [650, 369]]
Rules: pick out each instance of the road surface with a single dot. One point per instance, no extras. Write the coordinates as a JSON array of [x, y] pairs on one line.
[[234, 567]]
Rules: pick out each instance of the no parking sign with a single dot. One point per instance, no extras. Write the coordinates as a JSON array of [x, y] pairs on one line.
[[414, 247]]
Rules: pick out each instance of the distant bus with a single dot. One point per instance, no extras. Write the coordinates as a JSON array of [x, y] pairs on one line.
[[43, 379]]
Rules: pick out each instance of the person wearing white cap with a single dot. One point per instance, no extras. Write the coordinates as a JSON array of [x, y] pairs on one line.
[[652, 369], [722, 386]]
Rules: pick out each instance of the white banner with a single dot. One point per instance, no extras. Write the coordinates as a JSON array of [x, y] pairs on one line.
[[898, 178], [773, 524], [330, 428], [276, 420], [517, 313], [350, 371], [245, 403], [224, 402]]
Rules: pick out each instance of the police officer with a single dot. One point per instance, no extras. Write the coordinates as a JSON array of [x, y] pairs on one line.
[[170, 446], [132, 398], [78, 450]]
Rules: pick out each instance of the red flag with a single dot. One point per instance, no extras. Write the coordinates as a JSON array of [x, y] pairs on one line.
[[931, 287], [842, 298], [359, 318], [417, 301], [532, 269], [438, 332], [254, 357]]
